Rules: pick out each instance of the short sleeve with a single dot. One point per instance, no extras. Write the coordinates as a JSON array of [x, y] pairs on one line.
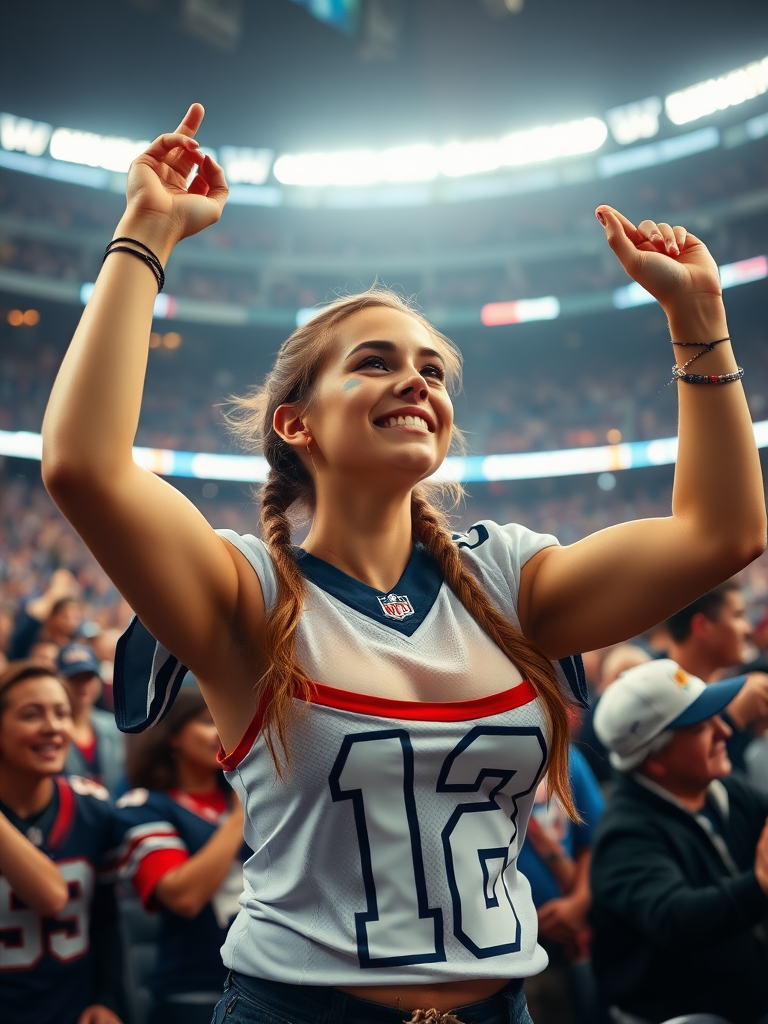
[[498, 554], [151, 844], [257, 553]]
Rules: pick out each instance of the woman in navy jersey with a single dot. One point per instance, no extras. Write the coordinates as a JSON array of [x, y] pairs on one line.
[[60, 949], [183, 853], [386, 694]]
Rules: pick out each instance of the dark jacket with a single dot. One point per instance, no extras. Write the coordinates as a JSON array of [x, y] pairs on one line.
[[675, 929]]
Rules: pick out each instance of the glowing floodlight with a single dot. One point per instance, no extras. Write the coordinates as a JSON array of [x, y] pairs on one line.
[[246, 166], [455, 159], [460, 158], [548, 143], [113, 154], [635, 120], [718, 93], [19, 134]]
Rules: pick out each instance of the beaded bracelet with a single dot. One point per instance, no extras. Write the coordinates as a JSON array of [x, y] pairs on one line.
[[702, 378], [147, 257], [678, 372]]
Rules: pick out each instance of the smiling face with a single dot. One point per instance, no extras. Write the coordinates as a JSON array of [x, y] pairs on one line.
[[197, 742], [380, 408], [35, 727], [694, 757]]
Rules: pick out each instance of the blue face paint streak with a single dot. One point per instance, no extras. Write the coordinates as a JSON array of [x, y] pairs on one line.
[[351, 384]]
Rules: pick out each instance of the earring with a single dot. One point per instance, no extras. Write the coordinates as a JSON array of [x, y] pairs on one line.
[[309, 453]]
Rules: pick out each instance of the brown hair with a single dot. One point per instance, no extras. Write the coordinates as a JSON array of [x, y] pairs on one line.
[[17, 672], [709, 604], [289, 486], [150, 762]]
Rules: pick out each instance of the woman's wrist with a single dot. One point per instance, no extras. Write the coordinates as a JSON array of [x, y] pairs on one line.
[[697, 320], [154, 232]]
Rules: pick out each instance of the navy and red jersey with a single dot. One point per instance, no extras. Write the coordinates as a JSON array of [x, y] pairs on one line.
[[52, 968], [162, 830]]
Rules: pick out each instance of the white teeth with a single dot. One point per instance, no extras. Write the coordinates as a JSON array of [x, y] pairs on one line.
[[407, 421]]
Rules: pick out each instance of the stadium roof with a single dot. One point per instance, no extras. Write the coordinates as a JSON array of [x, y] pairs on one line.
[[290, 82]]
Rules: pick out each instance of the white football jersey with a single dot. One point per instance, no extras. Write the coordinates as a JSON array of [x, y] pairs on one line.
[[387, 852]]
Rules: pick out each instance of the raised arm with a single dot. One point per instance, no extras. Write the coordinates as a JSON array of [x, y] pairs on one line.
[[33, 877], [616, 583], [191, 589]]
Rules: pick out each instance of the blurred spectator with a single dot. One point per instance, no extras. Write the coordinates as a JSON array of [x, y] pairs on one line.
[[555, 859], [97, 750], [183, 850], [46, 652], [61, 954], [54, 616], [680, 859], [712, 634], [616, 660]]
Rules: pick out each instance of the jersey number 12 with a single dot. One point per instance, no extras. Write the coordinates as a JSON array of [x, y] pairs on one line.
[[375, 770]]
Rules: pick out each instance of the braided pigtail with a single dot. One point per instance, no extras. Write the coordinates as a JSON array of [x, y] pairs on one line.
[[430, 527], [283, 680]]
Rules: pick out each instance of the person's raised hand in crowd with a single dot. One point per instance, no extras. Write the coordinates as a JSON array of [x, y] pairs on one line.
[[761, 859], [61, 585], [163, 205], [750, 705], [98, 1014]]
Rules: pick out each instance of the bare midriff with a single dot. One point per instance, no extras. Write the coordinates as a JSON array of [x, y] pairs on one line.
[[443, 997]]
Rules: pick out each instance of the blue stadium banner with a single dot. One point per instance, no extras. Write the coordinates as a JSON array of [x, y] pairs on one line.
[[341, 14]]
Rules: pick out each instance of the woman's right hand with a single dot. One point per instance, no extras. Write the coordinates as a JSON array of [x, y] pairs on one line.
[[157, 194]]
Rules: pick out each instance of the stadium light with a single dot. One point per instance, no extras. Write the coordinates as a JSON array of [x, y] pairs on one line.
[[113, 154], [718, 93], [20, 135], [455, 159], [246, 166], [635, 120], [548, 143]]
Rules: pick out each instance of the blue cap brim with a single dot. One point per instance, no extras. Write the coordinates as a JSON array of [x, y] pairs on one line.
[[711, 702]]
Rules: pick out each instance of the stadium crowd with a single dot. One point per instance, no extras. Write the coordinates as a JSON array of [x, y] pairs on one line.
[[581, 401], [166, 831], [80, 219]]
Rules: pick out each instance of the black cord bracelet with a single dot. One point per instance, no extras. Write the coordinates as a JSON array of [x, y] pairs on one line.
[[147, 257], [678, 372]]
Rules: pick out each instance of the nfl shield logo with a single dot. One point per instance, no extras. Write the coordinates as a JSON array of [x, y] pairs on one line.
[[396, 606]]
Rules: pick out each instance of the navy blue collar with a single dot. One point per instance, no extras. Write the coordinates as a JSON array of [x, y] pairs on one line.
[[404, 608]]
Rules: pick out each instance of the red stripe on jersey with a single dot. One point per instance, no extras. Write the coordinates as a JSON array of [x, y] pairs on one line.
[[384, 707], [65, 815], [152, 870], [425, 711]]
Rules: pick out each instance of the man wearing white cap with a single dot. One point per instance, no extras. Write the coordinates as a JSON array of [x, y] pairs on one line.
[[680, 861]]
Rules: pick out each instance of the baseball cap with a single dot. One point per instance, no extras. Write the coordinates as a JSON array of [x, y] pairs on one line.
[[76, 658], [647, 700]]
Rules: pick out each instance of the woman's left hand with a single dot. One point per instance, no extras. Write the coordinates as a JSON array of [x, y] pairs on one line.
[[669, 262]]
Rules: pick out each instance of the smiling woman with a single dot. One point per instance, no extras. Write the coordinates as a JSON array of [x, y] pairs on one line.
[[57, 967], [388, 695]]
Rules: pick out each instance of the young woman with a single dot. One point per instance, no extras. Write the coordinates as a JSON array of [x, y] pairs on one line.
[[398, 681], [183, 852], [60, 950]]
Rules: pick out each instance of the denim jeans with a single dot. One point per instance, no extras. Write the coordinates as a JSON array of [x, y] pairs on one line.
[[255, 1001]]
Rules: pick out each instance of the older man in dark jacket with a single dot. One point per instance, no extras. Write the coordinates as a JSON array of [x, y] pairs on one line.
[[680, 860]]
